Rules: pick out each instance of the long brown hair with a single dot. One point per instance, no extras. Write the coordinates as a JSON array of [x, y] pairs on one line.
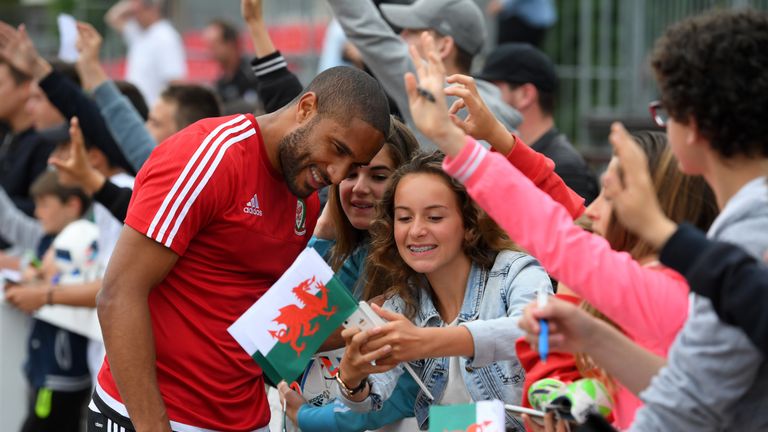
[[683, 198], [400, 145], [386, 271]]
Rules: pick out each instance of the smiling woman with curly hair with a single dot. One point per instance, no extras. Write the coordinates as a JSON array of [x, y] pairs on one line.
[[455, 287]]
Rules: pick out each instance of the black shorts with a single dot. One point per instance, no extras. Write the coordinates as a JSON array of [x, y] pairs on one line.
[[102, 418]]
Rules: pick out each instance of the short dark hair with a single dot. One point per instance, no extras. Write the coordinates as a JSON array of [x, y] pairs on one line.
[[193, 102], [48, 183], [546, 98], [547, 101], [229, 32], [345, 93], [463, 60], [134, 95], [18, 76], [712, 68]]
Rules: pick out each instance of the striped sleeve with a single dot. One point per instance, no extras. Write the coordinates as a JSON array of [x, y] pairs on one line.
[[182, 185], [268, 64], [463, 165]]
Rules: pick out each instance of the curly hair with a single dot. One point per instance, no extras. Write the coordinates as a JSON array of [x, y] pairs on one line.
[[712, 68], [386, 271]]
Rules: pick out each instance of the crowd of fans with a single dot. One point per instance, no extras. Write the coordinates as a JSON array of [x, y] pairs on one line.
[[449, 202]]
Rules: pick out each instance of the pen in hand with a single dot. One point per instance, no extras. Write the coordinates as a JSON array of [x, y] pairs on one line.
[[541, 300]]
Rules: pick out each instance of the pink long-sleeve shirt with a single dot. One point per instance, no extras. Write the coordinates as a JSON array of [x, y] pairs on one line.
[[650, 304]]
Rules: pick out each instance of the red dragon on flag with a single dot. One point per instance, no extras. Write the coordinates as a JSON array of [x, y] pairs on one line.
[[296, 319]]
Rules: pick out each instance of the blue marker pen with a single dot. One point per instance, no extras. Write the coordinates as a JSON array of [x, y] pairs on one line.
[[541, 300]]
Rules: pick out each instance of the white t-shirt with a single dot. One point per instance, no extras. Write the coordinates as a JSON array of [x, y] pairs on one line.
[[109, 226], [456, 389], [155, 57]]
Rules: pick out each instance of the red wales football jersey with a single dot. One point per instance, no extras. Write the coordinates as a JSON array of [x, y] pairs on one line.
[[210, 194]]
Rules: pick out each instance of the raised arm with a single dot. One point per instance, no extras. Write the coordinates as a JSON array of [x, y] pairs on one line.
[[119, 14], [123, 121], [384, 52], [482, 125], [583, 261], [276, 85]]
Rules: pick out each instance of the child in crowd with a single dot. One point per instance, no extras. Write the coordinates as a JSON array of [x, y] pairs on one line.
[[455, 286], [56, 367]]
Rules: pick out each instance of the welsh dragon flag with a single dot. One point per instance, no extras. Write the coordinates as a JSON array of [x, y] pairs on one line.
[[482, 416], [287, 325]]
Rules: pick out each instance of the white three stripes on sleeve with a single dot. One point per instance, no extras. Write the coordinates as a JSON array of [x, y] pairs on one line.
[[236, 130], [470, 165]]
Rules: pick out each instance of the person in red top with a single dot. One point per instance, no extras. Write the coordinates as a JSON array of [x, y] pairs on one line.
[[218, 212]]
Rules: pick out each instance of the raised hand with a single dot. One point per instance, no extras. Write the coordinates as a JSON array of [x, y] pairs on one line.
[[480, 123], [426, 98], [17, 48], [634, 197], [88, 65], [252, 10], [77, 170], [253, 15]]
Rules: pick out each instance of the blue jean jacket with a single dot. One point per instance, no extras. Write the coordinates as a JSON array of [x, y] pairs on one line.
[[493, 303]]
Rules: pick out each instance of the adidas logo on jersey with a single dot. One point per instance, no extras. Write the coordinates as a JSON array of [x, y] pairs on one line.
[[252, 207]]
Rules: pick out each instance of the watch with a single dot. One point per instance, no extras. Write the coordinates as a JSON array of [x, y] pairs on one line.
[[350, 391]]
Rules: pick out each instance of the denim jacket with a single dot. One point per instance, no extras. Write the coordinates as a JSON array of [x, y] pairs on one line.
[[493, 303]]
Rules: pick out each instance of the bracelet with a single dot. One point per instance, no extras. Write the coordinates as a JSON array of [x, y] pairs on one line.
[[350, 391], [49, 296]]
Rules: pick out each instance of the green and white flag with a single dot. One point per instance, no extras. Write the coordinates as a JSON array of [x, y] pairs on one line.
[[287, 325], [483, 416]]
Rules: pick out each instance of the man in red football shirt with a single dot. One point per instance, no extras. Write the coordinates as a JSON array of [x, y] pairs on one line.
[[218, 212]]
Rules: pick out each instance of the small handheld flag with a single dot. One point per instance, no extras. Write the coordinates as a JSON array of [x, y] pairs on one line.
[[482, 416], [287, 325]]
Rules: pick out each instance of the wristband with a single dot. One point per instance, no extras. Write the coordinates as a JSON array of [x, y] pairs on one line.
[[350, 391]]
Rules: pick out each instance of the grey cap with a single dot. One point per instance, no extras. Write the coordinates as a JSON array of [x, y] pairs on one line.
[[461, 19]]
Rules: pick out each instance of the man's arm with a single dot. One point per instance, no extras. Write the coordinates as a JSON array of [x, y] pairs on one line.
[[137, 265], [119, 14], [72, 101], [123, 121]]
